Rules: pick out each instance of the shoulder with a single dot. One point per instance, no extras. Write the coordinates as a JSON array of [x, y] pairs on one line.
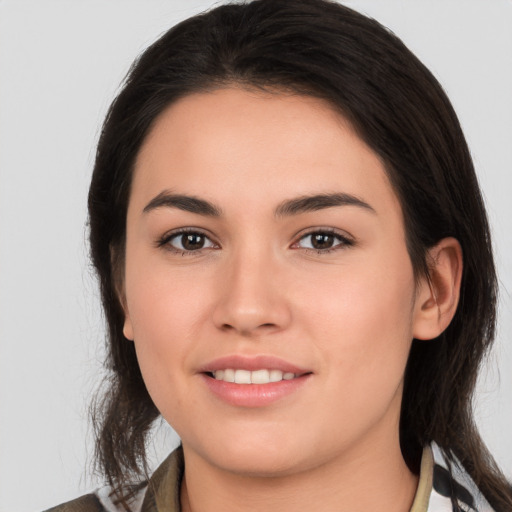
[[160, 493], [86, 503], [103, 500]]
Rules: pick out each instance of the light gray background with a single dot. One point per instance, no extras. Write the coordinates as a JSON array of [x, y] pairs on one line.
[[60, 65]]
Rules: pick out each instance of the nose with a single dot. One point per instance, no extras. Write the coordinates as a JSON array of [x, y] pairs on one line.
[[252, 298]]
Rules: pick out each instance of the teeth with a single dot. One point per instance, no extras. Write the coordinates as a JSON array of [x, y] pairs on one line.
[[242, 377], [260, 377], [256, 377], [229, 375], [276, 375]]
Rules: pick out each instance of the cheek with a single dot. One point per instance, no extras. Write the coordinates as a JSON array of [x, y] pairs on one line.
[[171, 309], [166, 311], [362, 319], [163, 337], [362, 328], [162, 304]]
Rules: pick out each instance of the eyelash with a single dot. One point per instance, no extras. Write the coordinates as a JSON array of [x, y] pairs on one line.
[[165, 241], [343, 241]]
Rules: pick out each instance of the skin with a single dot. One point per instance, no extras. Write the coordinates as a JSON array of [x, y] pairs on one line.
[[347, 315]]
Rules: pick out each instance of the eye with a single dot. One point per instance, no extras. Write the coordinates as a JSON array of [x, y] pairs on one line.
[[323, 241], [187, 241]]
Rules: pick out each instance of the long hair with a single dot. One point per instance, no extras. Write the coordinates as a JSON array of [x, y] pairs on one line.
[[322, 49]]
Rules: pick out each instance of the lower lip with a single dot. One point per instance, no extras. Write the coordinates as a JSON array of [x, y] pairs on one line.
[[254, 395]]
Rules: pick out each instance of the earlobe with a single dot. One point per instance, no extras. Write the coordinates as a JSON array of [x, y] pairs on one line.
[[117, 265], [127, 327], [437, 297]]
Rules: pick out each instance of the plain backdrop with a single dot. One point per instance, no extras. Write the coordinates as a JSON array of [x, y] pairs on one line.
[[61, 62]]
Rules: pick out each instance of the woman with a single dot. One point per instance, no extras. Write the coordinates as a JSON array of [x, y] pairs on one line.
[[296, 270]]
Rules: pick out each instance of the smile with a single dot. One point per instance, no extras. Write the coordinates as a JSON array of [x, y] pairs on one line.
[[262, 376], [253, 381]]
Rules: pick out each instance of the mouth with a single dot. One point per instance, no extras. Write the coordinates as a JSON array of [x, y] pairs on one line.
[[246, 381], [261, 376]]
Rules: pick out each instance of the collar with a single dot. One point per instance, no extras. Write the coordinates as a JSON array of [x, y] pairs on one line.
[[163, 491]]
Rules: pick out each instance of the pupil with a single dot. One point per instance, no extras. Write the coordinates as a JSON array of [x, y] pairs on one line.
[[322, 241], [192, 241]]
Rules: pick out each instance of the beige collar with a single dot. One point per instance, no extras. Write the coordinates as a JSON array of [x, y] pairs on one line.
[[420, 503]]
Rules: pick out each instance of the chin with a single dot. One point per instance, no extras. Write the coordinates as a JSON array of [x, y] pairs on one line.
[[260, 465], [255, 457]]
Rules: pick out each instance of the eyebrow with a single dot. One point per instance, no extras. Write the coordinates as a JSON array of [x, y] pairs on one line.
[[319, 202], [183, 202], [289, 207]]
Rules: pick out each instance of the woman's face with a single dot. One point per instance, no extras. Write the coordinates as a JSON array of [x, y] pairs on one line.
[[265, 243]]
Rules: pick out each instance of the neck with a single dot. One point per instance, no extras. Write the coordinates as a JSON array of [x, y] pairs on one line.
[[373, 477]]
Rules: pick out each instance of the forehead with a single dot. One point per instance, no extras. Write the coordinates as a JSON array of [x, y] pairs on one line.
[[256, 146]]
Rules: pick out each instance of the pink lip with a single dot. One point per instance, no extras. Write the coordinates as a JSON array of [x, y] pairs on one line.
[[252, 363], [253, 395]]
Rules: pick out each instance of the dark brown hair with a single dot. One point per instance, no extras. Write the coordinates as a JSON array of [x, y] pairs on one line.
[[323, 49]]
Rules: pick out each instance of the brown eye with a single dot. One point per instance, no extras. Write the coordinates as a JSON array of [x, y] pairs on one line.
[[323, 241], [189, 241], [192, 241]]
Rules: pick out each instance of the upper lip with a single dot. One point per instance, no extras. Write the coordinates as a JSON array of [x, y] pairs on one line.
[[252, 363]]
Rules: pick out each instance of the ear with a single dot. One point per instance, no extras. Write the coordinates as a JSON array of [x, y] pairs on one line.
[[117, 266], [437, 297], [127, 326]]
